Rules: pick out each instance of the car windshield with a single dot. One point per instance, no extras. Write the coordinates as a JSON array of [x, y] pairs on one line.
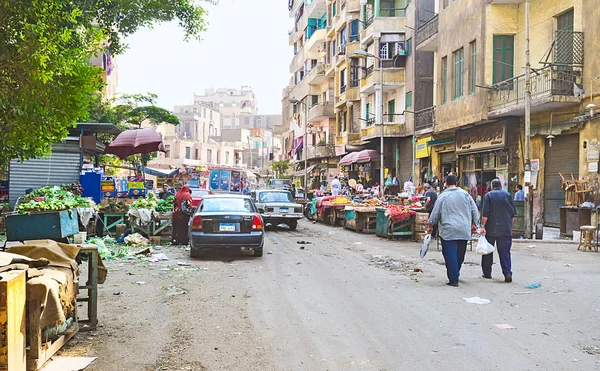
[[279, 183], [200, 193], [227, 204], [275, 197]]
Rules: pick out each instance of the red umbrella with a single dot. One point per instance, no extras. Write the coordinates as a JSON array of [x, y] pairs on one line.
[[133, 142], [348, 159], [367, 155]]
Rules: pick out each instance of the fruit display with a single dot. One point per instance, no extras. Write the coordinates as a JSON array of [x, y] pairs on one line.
[[340, 201], [53, 198], [163, 206], [399, 213], [149, 202]]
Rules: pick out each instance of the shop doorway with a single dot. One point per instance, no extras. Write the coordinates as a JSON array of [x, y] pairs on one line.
[[447, 165], [561, 158], [478, 171]]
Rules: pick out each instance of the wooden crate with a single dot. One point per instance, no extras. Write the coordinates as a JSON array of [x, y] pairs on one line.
[[12, 321]]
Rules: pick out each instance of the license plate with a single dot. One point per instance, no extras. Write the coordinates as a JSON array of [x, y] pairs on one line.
[[283, 209], [227, 227]]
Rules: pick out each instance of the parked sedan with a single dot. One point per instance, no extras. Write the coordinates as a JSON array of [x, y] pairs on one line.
[[278, 207], [226, 222]]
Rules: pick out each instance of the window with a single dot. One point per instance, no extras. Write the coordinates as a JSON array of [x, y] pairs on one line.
[[210, 114], [295, 109], [367, 111], [226, 157], [204, 112], [409, 99], [502, 68], [458, 73], [354, 79], [219, 157], [188, 151], [409, 47], [446, 2], [391, 110], [227, 204], [314, 100], [343, 36], [334, 8], [444, 78], [473, 69], [167, 151], [391, 49], [354, 35], [342, 80], [209, 156]]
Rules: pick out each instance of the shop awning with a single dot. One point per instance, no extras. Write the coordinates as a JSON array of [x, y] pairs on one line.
[[159, 172], [303, 171], [439, 142]]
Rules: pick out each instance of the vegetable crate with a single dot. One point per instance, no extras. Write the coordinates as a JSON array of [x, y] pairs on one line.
[[386, 228], [56, 225]]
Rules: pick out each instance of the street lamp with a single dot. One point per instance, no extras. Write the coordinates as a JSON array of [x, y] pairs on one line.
[[379, 118], [304, 145]]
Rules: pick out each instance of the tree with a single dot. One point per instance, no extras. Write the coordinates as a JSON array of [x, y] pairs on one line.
[[46, 82], [281, 167]]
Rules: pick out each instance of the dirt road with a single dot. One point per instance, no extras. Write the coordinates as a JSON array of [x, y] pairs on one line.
[[346, 301]]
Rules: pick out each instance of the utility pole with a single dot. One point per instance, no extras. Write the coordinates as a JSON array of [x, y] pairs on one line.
[[529, 199], [250, 148]]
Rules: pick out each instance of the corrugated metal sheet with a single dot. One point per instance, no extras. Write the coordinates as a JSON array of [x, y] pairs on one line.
[[61, 167]]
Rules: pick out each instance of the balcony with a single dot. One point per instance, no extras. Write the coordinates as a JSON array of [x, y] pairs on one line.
[[320, 111], [392, 78], [316, 76], [320, 151], [551, 88], [316, 41], [425, 119], [390, 20], [315, 8], [390, 129], [427, 37], [348, 93], [345, 138]]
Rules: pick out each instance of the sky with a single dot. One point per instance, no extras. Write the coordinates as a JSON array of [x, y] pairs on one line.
[[246, 44]]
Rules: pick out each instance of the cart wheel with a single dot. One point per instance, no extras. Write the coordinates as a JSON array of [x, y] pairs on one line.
[[332, 218]]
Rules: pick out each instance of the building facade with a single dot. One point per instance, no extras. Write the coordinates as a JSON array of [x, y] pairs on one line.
[[236, 106]]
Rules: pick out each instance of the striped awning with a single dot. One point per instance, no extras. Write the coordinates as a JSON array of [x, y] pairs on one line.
[[439, 142]]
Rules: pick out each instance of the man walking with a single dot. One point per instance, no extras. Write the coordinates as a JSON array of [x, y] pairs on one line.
[[497, 214], [456, 213], [335, 187], [430, 199], [519, 194]]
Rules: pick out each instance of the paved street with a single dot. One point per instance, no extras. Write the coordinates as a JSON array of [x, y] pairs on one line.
[[346, 302]]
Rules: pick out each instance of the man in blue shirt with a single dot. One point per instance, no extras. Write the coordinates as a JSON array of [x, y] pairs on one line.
[[497, 214], [519, 194]]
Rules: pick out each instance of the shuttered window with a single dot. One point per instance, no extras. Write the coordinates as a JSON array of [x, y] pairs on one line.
[[504, 55]]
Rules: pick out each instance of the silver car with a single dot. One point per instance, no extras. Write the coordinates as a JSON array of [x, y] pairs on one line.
[[278, 207]]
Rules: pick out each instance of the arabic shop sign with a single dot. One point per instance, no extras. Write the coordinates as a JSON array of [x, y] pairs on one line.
[[480, 138]]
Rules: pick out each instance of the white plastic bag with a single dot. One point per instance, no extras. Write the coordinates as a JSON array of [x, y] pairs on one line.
[[484, 247], [425, 246]]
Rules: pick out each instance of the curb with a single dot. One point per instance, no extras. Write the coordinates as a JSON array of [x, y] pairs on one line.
[[550, 242]]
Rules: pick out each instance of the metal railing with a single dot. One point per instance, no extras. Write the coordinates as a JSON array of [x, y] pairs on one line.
[[342, 89], [354, 83], [369, 21], [427, 30], [368, 71], [371, 121], [425, 118], [545, 82], [343, 5]]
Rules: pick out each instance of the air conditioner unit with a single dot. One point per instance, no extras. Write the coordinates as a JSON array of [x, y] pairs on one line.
[[341, 49]]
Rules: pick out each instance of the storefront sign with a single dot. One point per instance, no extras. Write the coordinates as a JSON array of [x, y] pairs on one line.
[[535, 165], [485, 137], [421, 147], [593, 167], [593, 154]]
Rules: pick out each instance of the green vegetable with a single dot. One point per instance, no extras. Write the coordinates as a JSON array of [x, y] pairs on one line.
[[164, 206]]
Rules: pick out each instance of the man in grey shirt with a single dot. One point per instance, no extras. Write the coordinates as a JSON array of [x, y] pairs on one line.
[[456, 213]]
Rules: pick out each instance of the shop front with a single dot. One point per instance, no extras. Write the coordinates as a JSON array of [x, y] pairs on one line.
[[483, 155], [423, 159]]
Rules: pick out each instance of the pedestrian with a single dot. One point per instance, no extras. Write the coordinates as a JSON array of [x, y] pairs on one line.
[[246, 190], [335, 187], [430, 199], [293, 191], [519, 194], [456, 213], [181, 215], [497, 214], [164, 193]]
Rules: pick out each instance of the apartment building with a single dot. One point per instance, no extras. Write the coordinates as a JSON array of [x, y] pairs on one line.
[[198, 122], [475, 125], [110, 76], [236, 106]]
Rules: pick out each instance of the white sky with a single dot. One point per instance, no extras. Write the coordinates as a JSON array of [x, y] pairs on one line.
[[246, 44]]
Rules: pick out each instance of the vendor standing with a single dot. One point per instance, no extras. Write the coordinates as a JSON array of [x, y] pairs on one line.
[[430, 199], [164, 193], [181, 215]]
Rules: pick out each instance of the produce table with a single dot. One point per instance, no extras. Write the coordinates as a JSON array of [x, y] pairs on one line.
[[52, 225], [361, 219], [387, 228], [156, 226], [117, 218], [332, 212]]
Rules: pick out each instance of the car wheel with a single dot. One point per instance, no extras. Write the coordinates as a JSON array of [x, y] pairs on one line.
[[258, 252], [197, 253], [293, 224]]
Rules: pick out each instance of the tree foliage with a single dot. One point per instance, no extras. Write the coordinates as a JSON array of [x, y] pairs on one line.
[[46, 82], [281, 167]]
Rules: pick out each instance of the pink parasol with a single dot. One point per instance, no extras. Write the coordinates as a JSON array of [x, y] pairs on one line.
[[348, 159], [367, 155], [133, 142]]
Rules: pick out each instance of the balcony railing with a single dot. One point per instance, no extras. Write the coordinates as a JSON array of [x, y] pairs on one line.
[[392, 12], [371, 121], [342, 89], [343, 6], [568, 48], [425, 118], [368, 71], [321, 151], [427, 30], [354, 83], [369, 21], [545, 82]]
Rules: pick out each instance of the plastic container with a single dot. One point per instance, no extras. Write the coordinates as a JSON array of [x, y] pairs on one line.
[[79, 238]]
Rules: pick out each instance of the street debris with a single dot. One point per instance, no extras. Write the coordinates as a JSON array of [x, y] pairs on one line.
[[418, 270], [477, 300], [302, 247], [298, 263], [136, 239], [269, 252], [118, 293], [141, 282], [531, 246], [184, 264], [304, 242], [505, 326], [358, 243], [425, 246], [146, 251], [533, 286], [68, 363], [593, 350], [159, 257]]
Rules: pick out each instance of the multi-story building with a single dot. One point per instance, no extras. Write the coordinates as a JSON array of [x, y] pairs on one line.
[[110, 75], [476, 120], [236, 106], [198, 122]]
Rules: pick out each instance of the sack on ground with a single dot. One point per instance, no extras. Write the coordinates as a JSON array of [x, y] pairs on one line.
[[484, 247], [425, 246]]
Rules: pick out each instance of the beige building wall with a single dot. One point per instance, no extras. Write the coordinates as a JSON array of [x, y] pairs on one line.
[[232, 103]]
